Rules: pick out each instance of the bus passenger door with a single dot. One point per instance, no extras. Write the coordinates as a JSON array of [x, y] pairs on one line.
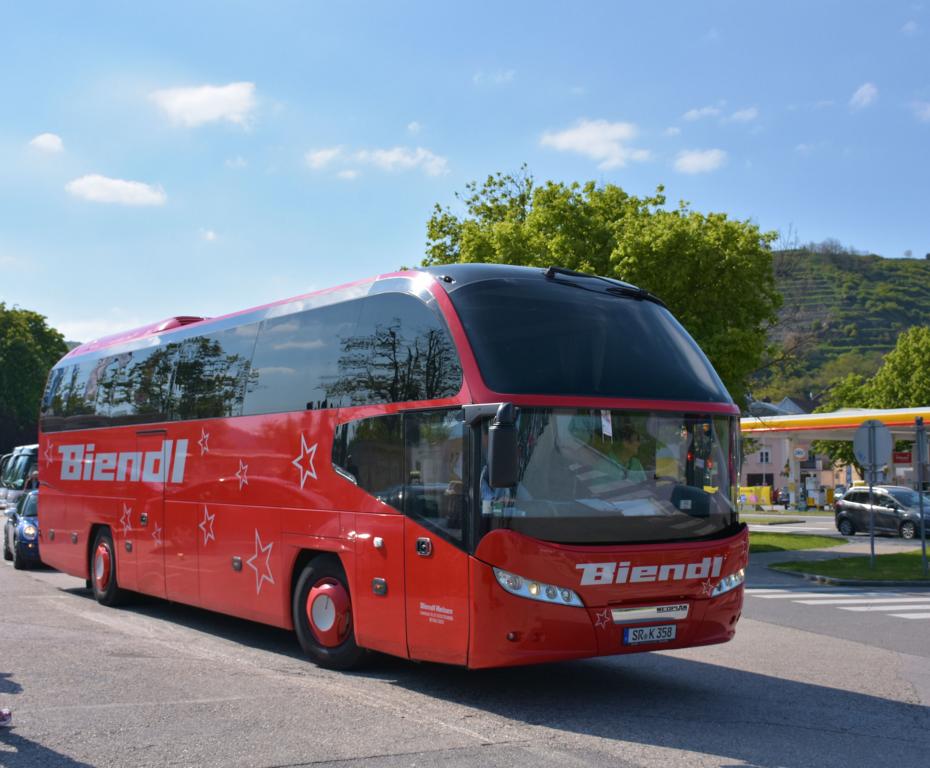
[[155, 453], [436, 564]]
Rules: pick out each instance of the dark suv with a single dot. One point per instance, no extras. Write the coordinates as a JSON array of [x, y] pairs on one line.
[[896, 508]]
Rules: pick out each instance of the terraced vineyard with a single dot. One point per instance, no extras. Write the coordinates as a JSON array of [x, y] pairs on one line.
[[841, 303]]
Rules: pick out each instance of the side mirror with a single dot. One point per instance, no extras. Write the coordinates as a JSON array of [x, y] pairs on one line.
[[503, 469]]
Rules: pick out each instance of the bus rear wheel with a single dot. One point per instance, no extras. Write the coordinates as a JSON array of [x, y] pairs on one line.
[[103, 570], [322, 612]]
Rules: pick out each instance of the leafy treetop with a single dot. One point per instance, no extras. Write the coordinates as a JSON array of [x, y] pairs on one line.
[[714, 273]]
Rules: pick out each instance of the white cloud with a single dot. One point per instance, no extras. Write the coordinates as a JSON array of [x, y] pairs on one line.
[[700, 160], [391, 159], [48, 142], [865, 94], [100, 189], [699, 113], [236, 162], [922, 111], [600, 140], [320, 158], [207, 103], [98, 327], [414, 127], [501, 77], [672, 131], [208, 234], [744, 115], [910, 28], [403, 159]]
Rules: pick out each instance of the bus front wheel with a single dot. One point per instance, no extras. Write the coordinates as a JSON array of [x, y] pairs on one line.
[[103, 570], [322, 612]]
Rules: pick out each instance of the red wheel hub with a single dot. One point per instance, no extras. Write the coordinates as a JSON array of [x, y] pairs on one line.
[[103, 565], [329, 612]]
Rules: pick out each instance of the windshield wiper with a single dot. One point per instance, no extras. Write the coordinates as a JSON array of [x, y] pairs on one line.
[[615, 288]]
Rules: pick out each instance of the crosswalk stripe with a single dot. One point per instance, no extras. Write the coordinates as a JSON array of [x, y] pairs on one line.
[[853, 600], [912, 615], [795, 595], [883, 607]]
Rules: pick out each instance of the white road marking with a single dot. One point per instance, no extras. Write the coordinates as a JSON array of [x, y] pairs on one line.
[[912, 615], [795, 595], [926, 604], [868, 600]]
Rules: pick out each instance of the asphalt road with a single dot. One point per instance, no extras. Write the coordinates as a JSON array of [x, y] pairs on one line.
[[162, 684]]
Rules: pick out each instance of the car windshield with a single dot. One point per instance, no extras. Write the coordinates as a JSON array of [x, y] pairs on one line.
[[15, 475], [909, 498], [28, 505], [609, 477], [22, 466]]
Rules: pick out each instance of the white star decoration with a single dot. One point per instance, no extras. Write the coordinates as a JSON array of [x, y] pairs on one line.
[[156, 534], [126, 519], [265, 574], [48, 454], [243, 474], [204, 442], [602, 618], [206, 526], [707, 587], [304, 462]]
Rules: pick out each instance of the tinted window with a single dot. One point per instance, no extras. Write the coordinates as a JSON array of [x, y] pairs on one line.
[[390, 347], [212, 374], [399, 351], [297, 358], [546, 337], [371, 451]]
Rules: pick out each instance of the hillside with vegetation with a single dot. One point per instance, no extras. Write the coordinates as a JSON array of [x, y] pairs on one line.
[[842, 312]]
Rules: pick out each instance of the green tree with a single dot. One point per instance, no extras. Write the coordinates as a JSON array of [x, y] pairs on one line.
[[714, 273], [902, 381], [28, 349]]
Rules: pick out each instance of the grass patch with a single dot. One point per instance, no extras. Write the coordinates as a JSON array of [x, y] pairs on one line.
[[901, 566], [787, 542], [771, 520], [748, 509]]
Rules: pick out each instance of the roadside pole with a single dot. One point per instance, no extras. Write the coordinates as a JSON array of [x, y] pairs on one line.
[[871, 471], [921, 447], [872, 446]]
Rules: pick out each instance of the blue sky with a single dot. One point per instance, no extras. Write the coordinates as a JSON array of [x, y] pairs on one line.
[[199, 158]]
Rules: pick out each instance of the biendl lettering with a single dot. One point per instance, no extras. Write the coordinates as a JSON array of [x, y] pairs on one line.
[[167, 464]]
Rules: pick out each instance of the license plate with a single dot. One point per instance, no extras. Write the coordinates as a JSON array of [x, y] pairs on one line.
[[660, 634]]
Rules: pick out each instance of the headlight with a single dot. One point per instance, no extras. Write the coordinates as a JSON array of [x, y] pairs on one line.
[[29, 532], [536, 590], [729, 583]]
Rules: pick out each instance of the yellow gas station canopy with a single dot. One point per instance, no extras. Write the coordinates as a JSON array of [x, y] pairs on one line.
[[838, 425]]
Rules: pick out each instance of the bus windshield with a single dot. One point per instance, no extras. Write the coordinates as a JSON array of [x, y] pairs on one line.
[[615, 477]]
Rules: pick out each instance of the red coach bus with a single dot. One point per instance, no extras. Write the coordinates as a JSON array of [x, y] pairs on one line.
[[480, 465]]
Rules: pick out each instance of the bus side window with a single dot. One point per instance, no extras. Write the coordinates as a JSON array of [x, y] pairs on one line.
[[372, 452]]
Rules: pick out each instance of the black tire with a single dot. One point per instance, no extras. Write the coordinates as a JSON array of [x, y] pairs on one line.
[[908, 530], [846, 527], [325, 569], [18, 563], [107, 591]]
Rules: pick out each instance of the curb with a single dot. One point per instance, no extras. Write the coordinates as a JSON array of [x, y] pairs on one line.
[[834, 582]]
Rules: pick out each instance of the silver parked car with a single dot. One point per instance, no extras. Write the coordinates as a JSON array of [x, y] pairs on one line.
[[896, 508]]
